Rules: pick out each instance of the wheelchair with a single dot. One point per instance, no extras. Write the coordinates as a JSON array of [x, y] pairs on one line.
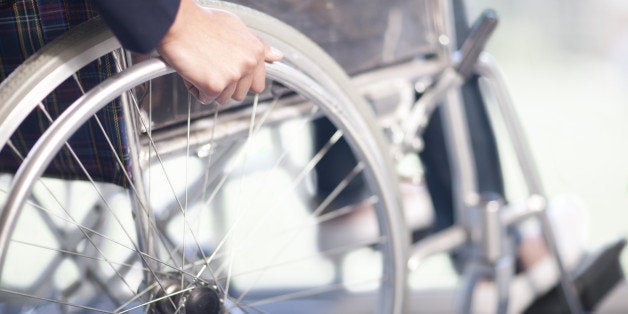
[[138, 199]]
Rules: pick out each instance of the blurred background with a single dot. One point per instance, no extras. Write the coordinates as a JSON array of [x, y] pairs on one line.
[[566, 62]]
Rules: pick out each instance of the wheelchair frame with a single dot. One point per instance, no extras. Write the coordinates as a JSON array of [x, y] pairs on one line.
[[484, 234]]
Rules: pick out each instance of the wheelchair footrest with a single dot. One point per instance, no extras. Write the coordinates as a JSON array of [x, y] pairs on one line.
[[596, 275]]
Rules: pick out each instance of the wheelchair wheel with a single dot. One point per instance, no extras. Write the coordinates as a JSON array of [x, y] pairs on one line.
[[212, 210]]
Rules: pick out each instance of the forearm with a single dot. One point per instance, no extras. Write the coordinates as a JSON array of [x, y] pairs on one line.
[[140, 25]]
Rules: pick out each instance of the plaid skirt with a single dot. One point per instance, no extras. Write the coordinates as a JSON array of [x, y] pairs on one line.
[[25, 27]]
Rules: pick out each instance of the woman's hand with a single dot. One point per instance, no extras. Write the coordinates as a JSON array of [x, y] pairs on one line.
[[216, 54]]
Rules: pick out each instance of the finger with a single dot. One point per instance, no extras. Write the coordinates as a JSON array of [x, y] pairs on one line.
[[224, 97], [243, 87], [198, 95], [272, 54], [190, 87], [193, 90], [204, 98], [259, 79]]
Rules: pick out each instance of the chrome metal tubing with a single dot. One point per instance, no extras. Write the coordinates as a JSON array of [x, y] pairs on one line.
[[474, 272], [493, 246], [60, 67], [442, 241], [456, 129], [90, 103], [86, 106], [504, 270], [414, 124], [460, 154], [488, 69]]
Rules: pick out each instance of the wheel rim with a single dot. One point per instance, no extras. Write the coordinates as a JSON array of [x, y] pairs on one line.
[[190, 268]]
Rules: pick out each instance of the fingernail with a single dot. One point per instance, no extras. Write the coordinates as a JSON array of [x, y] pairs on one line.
[[275, 53]]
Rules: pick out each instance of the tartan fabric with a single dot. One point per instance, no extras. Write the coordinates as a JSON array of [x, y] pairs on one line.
[[25, 27]]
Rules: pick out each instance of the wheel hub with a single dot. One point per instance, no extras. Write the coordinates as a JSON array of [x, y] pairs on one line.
[[203, 298]]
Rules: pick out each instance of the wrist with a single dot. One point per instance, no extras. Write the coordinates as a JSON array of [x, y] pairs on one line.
[[187, 10]]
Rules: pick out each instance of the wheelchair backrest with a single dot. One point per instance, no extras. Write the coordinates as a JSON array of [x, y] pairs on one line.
[[360, 34]]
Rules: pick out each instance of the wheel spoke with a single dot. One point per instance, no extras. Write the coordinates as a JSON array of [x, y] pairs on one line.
[[230, 185], [30, 296], [152, 144], [167, 296], [187, 171], [333, 252], [241, 211], [105, 237], [68, 213], [77, 254], [122, 166], [306, 170], [107, 205], [136, 297], [313, 292], [224, 178], [339, 188]]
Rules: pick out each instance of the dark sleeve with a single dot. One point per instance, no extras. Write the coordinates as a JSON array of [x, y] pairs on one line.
[[139, 25]]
